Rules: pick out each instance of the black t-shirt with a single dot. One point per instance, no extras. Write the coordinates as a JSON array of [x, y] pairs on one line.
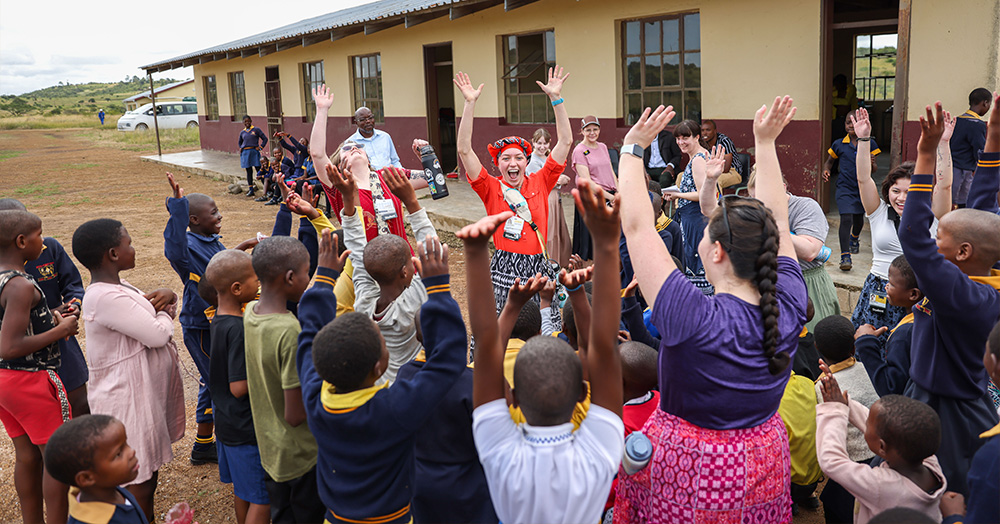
[[233, 419]]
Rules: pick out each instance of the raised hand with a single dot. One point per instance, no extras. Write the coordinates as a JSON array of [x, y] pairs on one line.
[[471, 94], [931, 128], [862, 125], [310, 195], [478, 234], [575, 262], [601, 220], [174, 186], [629, 290], [323, 97], [768, 123], [949, 127], [649, 125], [830, 389], [715, 164], [399, 185], [328, 255], [279, 178], [574, 279], [868, 329], [520, 293], [300, 206], [432, 258], [554, 86], [344, 182], [547, 293]]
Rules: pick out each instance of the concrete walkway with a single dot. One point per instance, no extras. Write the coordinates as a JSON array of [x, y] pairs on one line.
[[462, 207]]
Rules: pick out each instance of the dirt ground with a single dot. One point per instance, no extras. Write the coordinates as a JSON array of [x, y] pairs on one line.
[[68, 179]]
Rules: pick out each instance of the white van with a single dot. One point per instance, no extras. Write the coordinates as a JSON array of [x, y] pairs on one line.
[[170, 115]]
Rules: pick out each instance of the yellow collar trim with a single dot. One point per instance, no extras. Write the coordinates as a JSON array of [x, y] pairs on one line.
[[970, 114], [908, 319], [993, 280], [991, 432], [663, 222], [840, 366], [340, 403], [515, 343], [805, 331], [847, 139], [91, 512]]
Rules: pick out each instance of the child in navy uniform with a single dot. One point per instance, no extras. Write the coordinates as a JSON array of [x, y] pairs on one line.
[[366, 432], [299, 150], [189, 252], [951, 324], [252, 141], [966, 143], [91, 453], [852, 213], [62, 285], [266, 176]]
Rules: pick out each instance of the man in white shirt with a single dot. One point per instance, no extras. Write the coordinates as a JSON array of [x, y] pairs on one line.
[[377, 144]]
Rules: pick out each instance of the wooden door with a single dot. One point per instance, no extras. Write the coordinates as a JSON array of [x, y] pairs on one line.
[[272, 97]]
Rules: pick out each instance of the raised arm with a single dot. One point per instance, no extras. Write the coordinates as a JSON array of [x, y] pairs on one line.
[[767, 125], [399, 185], [464, 146], [650, 259], [564, 134], [869, 192], [518, 295], [175, 246], [582, 313], [941, 197], [710, 170], [317, 139], [603, 361]]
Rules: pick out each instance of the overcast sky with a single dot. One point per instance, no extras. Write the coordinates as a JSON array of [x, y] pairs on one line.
[[43, 43]]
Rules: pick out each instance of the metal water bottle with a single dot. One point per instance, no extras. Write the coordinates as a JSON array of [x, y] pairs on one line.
[[638, 452], [432, 171]]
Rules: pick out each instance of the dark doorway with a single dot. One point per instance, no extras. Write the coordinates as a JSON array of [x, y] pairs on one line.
[[440, 103], [272, 97]]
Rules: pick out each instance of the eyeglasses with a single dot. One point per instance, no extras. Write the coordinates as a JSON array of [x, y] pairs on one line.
[[350, 146]]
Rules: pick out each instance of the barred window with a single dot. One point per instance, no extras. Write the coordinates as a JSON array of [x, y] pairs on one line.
[[368, 84], [312, 77], [211, 99], [238, 94], [661, 62], [527, 58]]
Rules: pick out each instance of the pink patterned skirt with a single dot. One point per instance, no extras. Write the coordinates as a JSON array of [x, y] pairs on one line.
[[701, 475]]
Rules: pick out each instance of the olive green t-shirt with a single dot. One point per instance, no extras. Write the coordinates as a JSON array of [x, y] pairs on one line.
[[286, 452]]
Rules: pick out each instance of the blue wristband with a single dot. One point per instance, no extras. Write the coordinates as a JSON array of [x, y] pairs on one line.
[[577, 288], [557, 102]]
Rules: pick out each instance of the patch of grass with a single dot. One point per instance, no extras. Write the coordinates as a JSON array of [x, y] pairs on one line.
[[51, 122], [4, 155], [77, 202], [37, 189], [145, 141]]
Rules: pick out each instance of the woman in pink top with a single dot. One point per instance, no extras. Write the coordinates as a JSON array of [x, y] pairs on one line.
[[134, 371], [591, 161]]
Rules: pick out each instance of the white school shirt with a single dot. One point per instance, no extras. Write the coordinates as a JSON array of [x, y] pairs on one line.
[[548, 474], [380, 149], [885, 240]]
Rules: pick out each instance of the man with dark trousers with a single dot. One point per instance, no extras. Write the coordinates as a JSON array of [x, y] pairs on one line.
[[967, 141], [662, 158]]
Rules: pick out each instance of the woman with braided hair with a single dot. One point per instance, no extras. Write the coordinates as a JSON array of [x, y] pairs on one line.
[[720, 448], [520, 244]]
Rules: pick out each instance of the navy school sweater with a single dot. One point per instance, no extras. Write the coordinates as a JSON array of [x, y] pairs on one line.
[[889, 375], [59, 279], [299, 152], [366, 437], [188, 254], [952, 323]]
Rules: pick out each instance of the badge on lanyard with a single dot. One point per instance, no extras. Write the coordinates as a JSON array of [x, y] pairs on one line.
[[512, 228], [385, 209]]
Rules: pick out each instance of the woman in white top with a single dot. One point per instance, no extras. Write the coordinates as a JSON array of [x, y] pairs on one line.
[[558, 241], [884, 208]]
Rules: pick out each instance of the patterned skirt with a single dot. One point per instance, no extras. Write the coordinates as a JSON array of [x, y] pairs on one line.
[[507, 266], [700, 475], [863, 313]]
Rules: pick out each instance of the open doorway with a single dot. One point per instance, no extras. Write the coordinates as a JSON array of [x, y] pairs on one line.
[[441, 103], [272, 98]]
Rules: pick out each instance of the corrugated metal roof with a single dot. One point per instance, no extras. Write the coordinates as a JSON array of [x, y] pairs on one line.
[[346, 17], [145, 94]]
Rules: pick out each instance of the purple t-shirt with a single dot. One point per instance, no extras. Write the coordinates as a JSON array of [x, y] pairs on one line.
[[713, 372]]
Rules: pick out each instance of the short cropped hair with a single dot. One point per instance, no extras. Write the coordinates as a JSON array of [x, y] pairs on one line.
[[276, 255], [901, 265], [834, 338], [640, 362], [979, 95], [910, 426], [14, 223], [529, 322], [385, 256], [548, 380], [7, 204], [346, 350], [226, 267], [93, 239], [71, 447]]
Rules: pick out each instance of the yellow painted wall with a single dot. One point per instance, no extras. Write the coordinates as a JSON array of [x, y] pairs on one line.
[[955, 48], [174, 93], [752, 50]]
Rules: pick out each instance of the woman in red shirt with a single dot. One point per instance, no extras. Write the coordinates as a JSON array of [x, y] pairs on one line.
[[520, 244]]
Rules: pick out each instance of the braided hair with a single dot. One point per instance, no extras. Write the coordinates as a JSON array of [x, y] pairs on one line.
[[753, 249]]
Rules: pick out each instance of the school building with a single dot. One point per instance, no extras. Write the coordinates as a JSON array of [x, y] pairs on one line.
[[175, 91], [717, 59]]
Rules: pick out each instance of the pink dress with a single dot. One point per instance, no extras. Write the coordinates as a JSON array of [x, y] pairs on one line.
[[134, 371]]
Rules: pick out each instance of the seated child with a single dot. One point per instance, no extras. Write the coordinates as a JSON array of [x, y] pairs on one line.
[[189, 241], [32, 399], [230, 273], [961, 304], [889, 375], [835, 342], [62, 285], [798, 412], [902, 431], [385, 286], [548, 384], [91, 453], [270, 331], [366, 429], [806, 361], [266, 176]]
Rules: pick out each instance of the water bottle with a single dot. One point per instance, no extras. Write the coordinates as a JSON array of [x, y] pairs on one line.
[[824, 255], [638, 452], [432, 171]]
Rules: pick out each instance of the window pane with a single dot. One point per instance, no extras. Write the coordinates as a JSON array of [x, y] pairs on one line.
[[364, 68], [673, 98], [692, 69], [651, 99], [652, 71], [513, 112], [652, 37], [550, 46], [511, 51], [692, 105], [671, 36], [538, 103], [692, 31], [370, 88], [633, 108], [378, 64], [632, 38], [671, 70], [632, 73], [357, 66], [863, 46]]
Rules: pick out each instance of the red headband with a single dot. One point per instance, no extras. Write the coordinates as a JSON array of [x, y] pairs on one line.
[[497, 148]]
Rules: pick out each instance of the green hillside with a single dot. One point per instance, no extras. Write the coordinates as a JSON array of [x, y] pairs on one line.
[[76, 99]]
